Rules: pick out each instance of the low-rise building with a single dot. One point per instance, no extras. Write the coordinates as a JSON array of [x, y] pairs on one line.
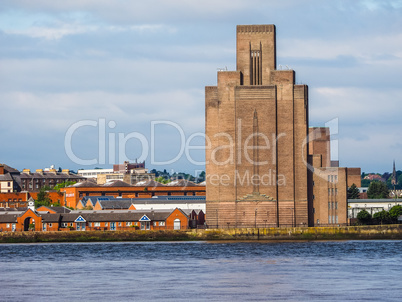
[[34, 181], [329, 184], [93, 173], [75, 193], [35, 220], [370, 205], [8, 184]]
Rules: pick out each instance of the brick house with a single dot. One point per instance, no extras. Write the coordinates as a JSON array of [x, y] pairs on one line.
[[45, 220], [75, 193]]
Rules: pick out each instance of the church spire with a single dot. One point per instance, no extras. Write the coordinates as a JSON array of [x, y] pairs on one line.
[[394, 181]]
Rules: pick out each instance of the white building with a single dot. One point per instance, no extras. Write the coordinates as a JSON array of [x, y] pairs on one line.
[[370, 205], [93, 173]]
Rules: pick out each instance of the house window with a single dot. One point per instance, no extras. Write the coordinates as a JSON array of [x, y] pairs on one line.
[[120, 224], [336, 177], [336, 191], [128, 223], [329, 219], [336, 219], [329, 191], [336, 205], [135, 223], [9, 184], [50, 225], [64, 224], [161, 223], [318, 221], [154, 223], [8, 225], [106, 224], [329, 178], [96, 224], [332, 178]]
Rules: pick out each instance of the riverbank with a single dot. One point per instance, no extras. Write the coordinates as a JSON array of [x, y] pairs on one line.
[[272, 234]]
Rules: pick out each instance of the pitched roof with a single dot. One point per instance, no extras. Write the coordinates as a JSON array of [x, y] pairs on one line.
[[117, 216], [115, 203], [45, 175], [6, 177], [116, 183], [58, 209], [10, 218], [169, 200], [9, 169], [13, 209], [85, 183], [92, 200], [149, 183], [51, 217], [188, 211], [182, 183]]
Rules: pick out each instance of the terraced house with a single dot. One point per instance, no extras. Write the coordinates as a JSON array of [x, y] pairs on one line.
[[63, 219]]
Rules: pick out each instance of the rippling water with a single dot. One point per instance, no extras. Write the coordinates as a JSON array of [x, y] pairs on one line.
[[199, 271]]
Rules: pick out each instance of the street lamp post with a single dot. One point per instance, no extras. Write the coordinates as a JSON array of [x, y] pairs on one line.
[[255, 218]]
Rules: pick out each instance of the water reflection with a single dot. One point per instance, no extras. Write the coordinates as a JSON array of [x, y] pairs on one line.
[[199, 271]]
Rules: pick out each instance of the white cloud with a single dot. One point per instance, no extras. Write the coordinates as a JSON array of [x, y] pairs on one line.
[[55, 112], [138, 61], [367, 48], [356, 105], [58, 32]]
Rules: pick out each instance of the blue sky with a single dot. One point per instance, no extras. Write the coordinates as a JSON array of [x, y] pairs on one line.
[[132, 63]]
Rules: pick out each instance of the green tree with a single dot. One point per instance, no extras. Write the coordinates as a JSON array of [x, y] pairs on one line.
[[377, 190], [63, 185], [364, 217], [353, 192], [201, 177], [43, 198], [366, 183], [395, 212], [382, 217], [162, 180]]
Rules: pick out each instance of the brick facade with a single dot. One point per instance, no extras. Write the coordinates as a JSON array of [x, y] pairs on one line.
[[265, 167], [256, 124]]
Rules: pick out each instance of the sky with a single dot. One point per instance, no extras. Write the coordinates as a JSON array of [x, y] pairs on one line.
[[89, 83]]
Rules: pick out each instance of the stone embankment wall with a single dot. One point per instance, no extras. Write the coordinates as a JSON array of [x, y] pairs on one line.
[[272, 234]]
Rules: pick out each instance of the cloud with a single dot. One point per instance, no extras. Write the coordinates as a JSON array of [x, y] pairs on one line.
[[134, 62], [55, 112], [365, 48], [56, 33]]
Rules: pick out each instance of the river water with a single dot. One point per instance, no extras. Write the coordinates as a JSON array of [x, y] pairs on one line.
[[202, 271]]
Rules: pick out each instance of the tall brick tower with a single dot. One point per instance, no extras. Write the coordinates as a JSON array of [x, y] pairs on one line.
[[256, 127]]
